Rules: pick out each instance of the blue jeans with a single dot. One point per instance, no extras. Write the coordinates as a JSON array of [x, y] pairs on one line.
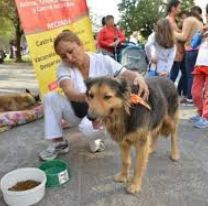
[[190, 60], [182, 84]]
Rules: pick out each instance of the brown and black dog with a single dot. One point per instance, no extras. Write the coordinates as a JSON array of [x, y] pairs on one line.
[[135, 123], [18, 101]]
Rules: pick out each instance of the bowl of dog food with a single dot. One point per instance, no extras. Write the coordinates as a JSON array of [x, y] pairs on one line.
[[23, 187], [57, 172]]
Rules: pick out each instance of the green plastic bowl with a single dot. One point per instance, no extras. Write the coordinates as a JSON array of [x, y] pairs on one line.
[[57, 172]]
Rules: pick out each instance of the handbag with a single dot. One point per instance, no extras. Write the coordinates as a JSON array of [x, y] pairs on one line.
[[152, 71], [196, 40]]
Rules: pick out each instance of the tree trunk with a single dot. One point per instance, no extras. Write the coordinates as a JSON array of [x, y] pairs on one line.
[[19, 33]]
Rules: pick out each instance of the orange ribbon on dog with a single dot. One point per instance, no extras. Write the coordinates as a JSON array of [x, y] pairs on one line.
[[135, 99]]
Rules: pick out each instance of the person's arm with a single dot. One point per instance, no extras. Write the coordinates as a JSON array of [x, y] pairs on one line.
[[150, 49], [121, 36], [71, 93], [137, 79], [115, 69], [186, 30], [65, 81], [101, 40], [171, 59]]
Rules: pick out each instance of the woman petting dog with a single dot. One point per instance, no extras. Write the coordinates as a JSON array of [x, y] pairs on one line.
[[77, 66]]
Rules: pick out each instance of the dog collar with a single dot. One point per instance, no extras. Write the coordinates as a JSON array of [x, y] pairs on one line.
[[135, 99]]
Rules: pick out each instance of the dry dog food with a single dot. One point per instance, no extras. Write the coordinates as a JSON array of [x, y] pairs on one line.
[[24, 185]]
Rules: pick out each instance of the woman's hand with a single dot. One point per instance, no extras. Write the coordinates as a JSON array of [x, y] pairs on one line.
[[163, 74], [115, 43], [138, 80], [143, 88]]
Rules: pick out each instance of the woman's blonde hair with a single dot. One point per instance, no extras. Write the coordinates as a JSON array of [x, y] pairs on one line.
[[67, 36], [164, 33]]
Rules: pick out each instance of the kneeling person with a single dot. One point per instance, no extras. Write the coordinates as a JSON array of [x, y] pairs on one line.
[[77, 66]]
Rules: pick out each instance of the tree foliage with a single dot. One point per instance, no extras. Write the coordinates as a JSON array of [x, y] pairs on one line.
[[6, 32], [186, 4], [8, 11], [141, 15]]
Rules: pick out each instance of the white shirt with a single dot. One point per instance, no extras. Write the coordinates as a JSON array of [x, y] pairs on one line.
[[100, 65], [202, 58], [165, 57]]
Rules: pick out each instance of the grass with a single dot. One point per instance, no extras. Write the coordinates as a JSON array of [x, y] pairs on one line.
[[25, 59]]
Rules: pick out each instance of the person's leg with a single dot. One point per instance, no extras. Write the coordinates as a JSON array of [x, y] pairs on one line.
[[174, 71], [56, 107], [182, 84], [205, 99], [203, 121], [190, 59], [197, 92]]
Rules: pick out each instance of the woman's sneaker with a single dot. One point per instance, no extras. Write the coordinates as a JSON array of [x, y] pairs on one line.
[[202, 123], [195, 118], [53, 150]]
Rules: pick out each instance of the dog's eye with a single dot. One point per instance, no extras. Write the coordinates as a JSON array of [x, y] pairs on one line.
[[107, 97], [91, 96]]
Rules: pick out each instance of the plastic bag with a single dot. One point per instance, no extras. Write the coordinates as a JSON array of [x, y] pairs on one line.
[[152, 70]]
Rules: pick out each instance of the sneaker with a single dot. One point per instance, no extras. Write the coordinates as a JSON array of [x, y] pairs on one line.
[[54, 150], [195, 118], [187, 102], [201, 124], [96, 145], [183, 100]]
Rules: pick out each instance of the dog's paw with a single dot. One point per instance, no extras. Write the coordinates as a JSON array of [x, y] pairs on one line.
[[175, 157], [120, 178], [133, 188]]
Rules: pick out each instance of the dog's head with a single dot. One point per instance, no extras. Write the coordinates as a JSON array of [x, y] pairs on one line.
[[31, 98], [105, 95]]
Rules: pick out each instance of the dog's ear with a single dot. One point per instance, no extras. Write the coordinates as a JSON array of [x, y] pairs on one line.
[[27, 91], [37, 98], [123, 85], [88, 82]]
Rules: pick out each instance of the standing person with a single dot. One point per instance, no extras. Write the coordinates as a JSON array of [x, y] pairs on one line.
[[207, 13], [76, 66], [103, 21], [160, 47], [200, 84], [182, 84], [110, 37], [98, 49], [173, 11], [191, 25]]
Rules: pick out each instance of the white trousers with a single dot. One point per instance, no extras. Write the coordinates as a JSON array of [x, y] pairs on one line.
[[56, 108]]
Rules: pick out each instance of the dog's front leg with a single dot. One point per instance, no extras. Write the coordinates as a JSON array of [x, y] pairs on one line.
[[126, 162], [142, 153]]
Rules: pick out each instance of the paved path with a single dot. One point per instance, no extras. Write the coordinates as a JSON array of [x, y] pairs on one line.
[[165, 184], [16, 78]]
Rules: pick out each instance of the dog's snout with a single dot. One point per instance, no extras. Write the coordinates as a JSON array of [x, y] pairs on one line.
[[91, 115]]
